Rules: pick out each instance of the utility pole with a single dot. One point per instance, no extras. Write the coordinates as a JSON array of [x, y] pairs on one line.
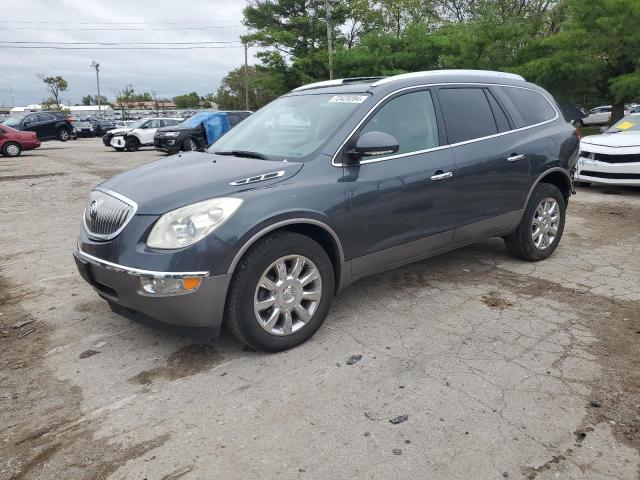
[[328, 5], [96, 65], [11, 91], [246, 76]]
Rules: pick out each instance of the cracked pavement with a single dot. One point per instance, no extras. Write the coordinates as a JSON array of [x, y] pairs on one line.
[[505, 369]]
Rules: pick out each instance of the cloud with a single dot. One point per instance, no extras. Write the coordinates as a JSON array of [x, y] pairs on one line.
[[168, 72]]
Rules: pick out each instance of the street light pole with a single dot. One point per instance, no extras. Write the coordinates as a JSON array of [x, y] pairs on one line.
[[96, 65]]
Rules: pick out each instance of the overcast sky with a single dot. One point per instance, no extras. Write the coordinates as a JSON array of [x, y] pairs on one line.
[[168, 72]]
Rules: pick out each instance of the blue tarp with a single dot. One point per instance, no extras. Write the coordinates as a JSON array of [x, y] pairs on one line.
[[215, 124]]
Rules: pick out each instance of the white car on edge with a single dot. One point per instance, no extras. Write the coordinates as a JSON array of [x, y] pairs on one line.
[[139, 134], [613, 157]]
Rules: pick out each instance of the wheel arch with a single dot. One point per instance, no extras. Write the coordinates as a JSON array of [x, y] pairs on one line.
[[555, 176], [318, 231]]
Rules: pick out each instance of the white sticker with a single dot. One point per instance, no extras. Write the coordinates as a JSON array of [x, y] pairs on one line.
[[348, 99]]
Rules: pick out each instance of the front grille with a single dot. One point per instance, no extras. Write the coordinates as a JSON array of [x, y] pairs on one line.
[[603, 157], [107, 214], [615, 176]]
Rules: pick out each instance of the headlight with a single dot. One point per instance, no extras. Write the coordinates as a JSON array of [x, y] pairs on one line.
[[171, 134], [187, 225]]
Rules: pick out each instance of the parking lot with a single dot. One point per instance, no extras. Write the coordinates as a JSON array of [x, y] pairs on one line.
[[504, 369]]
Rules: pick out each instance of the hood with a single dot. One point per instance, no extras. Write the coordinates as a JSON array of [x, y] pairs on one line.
[[192, 177], [120, 131], [621, 139]]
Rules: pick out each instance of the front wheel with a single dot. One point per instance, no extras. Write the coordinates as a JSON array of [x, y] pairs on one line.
[[190, 145], [281, 292], [542, 224], [11, 149], [132, 144], [63, 135]]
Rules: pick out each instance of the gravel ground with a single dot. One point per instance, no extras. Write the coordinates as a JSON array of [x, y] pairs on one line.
[[502, 368]]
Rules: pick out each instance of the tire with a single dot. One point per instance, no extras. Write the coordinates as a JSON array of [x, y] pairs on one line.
[[521, 243], [241, 317], [63, 135], [132, 144], [578, 123], [11, 149], [190, 145]]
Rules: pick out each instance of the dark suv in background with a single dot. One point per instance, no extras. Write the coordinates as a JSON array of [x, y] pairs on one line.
[[46, 125], [197, 131], [322, 187]]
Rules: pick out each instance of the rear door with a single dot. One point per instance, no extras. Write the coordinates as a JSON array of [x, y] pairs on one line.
[[47, 125], [492, 166], [401, 204]]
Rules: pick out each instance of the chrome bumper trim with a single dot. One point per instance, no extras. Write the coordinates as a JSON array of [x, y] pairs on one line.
[[137, 271]]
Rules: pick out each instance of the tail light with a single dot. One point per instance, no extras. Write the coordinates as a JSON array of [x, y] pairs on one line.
[[69, 119], [579, 134]]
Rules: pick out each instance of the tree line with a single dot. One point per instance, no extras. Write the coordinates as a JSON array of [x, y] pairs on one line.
[[585, 51]]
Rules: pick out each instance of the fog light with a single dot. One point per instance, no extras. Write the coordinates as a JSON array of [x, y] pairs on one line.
[[169, 286]]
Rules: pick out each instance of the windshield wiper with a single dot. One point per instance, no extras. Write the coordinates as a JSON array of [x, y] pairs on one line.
[[244, 153]]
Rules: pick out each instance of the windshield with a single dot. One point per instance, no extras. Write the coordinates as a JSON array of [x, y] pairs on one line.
[[12, 121], [630, 123], [197, 119], [138, 123], [290, 127]]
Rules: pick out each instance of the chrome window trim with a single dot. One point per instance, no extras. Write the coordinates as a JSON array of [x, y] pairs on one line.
[[441, 147], [113, 235], [137, 271]]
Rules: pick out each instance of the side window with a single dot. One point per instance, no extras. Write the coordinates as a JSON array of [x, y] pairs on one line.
[[498, 113], [467, 114], [234, 119], [532, 106], [411, 119], [31, 119], [46, 117], [153, 124]]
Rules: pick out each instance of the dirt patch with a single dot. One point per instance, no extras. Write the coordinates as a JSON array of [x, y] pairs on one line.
[[182, 363], [532, 473], [44, 432], [495, 300], [620, 218], [11, 178]]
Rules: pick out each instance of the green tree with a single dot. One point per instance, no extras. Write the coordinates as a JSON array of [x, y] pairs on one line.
[[188, 100], [596, 53], [93, 100], [55, 86], [263, 87]]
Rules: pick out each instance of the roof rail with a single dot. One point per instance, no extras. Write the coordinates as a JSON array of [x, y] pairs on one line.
[[337, 81], [431, 73]]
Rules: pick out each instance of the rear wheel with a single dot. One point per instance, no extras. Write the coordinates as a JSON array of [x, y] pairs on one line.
[[281, 292], [11, 149], [578, 123], [542, 224], [63, 135], [132, 144]]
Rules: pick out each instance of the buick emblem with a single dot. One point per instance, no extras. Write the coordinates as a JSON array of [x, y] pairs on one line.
[[93, 210]]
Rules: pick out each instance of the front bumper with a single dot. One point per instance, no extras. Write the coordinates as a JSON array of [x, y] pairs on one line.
[[166, 144], [118, 142], [593, 171], [120, 285]]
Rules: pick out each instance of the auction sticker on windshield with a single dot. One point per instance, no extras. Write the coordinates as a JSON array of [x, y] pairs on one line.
[[625, 125], [348, 99]]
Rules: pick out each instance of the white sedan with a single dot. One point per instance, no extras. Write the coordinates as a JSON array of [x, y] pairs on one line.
[[612, 157]]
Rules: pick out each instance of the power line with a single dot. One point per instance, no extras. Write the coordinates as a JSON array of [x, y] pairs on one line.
[[50, 47], [119, 29], [25, 42]]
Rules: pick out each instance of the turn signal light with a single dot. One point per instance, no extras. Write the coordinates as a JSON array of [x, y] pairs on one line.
[[169, 286]]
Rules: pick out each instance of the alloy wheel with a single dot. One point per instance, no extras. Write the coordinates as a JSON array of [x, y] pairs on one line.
[[287, 295], [545, 224]]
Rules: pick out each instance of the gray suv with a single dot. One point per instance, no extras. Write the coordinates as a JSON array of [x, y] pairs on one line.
[[328, 184]]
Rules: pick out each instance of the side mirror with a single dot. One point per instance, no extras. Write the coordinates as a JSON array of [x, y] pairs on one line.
[[373, 144]]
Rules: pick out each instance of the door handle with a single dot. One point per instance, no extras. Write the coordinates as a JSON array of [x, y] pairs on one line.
[[441, 175], [514, 157]]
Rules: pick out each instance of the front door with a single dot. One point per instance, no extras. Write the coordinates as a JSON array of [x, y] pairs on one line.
[[401, 205]]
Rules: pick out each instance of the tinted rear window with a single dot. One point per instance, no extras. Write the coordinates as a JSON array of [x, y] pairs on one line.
[[467, 114], [532, 106]]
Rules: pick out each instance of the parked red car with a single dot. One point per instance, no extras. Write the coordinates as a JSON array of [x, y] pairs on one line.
[[13, 142]]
